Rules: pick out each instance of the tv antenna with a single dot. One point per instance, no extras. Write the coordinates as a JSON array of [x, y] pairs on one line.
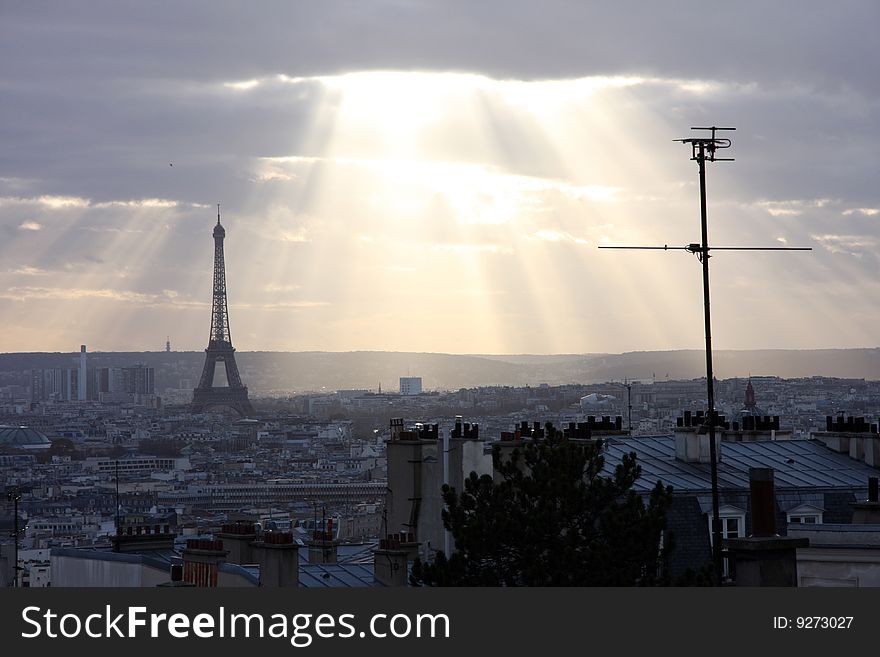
[[628, 384], [703, 149]]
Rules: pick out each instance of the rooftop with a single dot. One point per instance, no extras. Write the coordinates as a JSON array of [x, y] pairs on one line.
[[23, 437], [796, 463], [336, 575]]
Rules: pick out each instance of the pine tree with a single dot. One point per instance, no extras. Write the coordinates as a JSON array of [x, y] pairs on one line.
[[552, 519]]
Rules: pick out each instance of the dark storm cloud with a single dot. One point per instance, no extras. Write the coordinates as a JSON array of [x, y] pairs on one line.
[[831, 44], [112, 91]]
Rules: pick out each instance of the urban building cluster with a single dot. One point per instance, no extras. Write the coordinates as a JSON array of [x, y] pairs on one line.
[[135, 383], [111, 481]]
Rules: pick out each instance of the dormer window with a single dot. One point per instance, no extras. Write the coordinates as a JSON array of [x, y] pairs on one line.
[[805, 514]]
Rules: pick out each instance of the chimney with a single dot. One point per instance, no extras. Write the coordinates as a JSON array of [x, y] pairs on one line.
[[764, 559], [396, 428], [323, 548], [278, 557], [176, 577], [390, 563], [868, 512], [762, 500], [238, 537], [692, 443], [201, 560], [871, 449]]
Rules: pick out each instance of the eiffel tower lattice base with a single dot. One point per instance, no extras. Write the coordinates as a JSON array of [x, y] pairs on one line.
[[219, 398], [207, 397]]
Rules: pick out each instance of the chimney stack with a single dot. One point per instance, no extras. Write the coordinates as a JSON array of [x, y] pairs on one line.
[[692, 440], [176, 580], [201, 560], [868, 512], [238, 537], [390, 563], [323, 548], [764, 559], [396, 428], [762, 502], [278, 557]]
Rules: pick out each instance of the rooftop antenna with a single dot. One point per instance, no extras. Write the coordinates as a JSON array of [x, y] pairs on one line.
[[703, 149], [14, 496], [118, 528], [628, 384]]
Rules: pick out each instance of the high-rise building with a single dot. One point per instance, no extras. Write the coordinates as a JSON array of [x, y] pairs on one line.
[[82, 387], [410, 385], [138, 379], [117, 384], [55, 384]]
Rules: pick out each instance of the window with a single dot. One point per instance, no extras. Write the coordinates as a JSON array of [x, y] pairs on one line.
[[733, 525], [805, 514], [813, 519]]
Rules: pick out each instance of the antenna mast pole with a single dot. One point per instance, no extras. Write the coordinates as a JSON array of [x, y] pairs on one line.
[[118, 529], [717, 558], [14, 496], [703, 150], [629, 404]]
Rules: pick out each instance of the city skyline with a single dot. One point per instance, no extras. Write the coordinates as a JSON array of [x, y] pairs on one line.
[[404, 178]]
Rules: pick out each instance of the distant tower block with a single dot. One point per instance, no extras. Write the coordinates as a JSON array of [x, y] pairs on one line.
[[410, 385], [82, 379], [168, 344], [233, 396]]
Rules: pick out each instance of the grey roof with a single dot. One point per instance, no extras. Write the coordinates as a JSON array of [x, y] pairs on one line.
[[797, 464], [336, 575], [22, 437], [160, 559], [346, 553], [250, 573]]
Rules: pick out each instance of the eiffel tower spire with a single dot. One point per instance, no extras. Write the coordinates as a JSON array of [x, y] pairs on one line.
[[234, 395], [219, 310]]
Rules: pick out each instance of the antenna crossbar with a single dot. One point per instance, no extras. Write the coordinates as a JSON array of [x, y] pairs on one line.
[[693, 248], [703, 148]]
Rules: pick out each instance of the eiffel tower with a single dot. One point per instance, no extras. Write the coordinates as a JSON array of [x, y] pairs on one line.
[[234, 395]]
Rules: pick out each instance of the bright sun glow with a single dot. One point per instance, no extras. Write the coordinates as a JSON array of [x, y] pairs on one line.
[[413, 211]]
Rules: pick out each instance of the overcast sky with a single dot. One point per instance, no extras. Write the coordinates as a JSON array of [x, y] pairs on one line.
[[436, 176]]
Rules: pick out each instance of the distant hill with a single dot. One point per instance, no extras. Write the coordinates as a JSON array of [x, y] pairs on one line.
[[313, 371]]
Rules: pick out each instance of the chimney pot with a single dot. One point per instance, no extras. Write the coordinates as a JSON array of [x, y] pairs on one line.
[[762, 501]]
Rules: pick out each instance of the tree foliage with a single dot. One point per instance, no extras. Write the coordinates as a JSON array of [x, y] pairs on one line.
[[552, 519]]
